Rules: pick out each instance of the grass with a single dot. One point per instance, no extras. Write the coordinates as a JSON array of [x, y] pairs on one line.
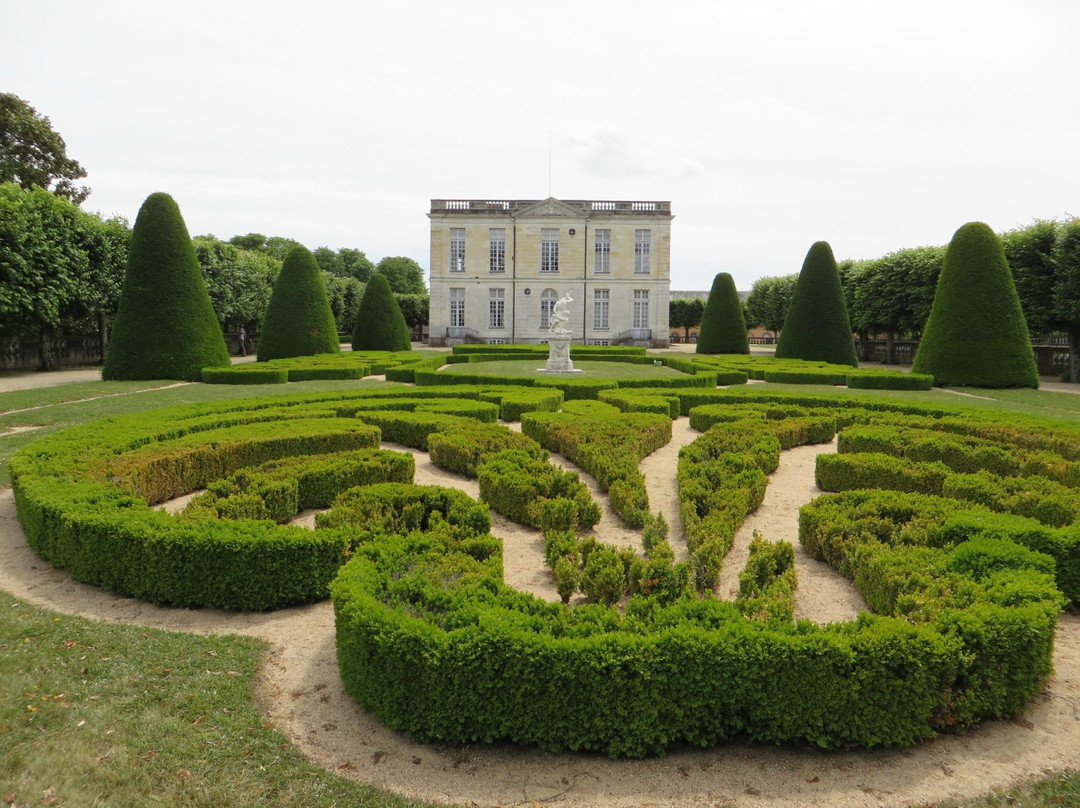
[[592, 370], [102, 714], [111, 715]]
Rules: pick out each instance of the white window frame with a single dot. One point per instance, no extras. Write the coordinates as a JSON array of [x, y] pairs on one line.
[[496, 308], [601, 309], [641, 309], [642, 252], [549, 249], [602, 251], [457, 249], [547, 305], [497, 249], [457, 307]]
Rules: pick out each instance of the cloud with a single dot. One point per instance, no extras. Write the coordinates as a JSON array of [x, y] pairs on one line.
[[609, 152]]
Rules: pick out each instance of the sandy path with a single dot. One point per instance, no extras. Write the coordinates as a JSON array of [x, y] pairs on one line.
[[824, 595], [301, 693]]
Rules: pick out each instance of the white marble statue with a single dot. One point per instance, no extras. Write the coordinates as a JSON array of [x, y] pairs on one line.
[[560, 316]]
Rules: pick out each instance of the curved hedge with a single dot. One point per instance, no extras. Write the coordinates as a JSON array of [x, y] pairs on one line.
[[444, 651], [432, 641], [85, 495]]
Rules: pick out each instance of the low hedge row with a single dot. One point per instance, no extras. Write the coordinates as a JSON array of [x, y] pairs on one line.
[[84, 494], [767, 584], [503, 351], [387, 508], [608, 445], [464, 450], [533, 492], [960, 452], [348, 365], [1038, 498], [433, 643], [280, 489], [890, 381], [242, 374], [797, 371]]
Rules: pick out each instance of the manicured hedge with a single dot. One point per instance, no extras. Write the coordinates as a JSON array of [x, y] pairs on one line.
[[532, 492], [464, 450], [608, 444], [165, 326], [83, 494], [298, 320], [890, 381], [242, 375], [432, 642], [976, 333]]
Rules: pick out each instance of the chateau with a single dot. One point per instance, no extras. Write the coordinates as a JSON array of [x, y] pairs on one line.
[[497, 268]]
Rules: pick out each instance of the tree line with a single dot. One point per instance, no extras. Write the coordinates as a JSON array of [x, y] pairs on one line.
[[61, 269], [892, 295]]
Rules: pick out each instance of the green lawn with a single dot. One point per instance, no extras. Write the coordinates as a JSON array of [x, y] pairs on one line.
[[111, 715], [592, 370]]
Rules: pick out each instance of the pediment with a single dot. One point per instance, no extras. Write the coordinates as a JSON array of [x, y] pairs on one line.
[[550, 207]]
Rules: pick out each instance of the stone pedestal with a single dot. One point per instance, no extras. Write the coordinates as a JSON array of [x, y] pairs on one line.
[[559, 360]]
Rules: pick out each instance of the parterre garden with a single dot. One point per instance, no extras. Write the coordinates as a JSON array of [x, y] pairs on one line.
[[956, 525]]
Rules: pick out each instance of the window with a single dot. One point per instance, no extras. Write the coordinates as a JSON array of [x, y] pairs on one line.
[[457, 249], [549, 249], [497, 250], [641, 308], [496, 307], [642, 248], [547, 304], [457, 308], [602, 251], [601, 303]]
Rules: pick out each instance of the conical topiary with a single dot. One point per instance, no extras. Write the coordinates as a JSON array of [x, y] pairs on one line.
[[976, 335], [723, 326], [817, 326], [165, 327], [380, 325], [298, 319]]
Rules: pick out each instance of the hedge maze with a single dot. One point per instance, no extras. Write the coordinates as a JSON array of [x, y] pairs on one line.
[[959, 529]]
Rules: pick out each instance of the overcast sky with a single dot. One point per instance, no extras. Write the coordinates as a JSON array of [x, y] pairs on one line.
[[768, 125]]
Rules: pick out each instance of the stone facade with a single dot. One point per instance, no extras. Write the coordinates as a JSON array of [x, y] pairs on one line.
[[497, 268]]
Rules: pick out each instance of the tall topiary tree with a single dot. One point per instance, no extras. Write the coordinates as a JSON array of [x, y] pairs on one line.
[[817, 325], [723, 326], [165, 326], [298, 319], [976, 335], [380, 325]]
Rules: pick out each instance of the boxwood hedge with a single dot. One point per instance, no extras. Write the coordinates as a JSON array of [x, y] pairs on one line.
[[432, 641]]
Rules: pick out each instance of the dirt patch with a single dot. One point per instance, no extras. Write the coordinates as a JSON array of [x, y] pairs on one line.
[[301, 692]]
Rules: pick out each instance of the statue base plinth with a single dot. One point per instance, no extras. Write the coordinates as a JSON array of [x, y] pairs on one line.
[[559, 361]]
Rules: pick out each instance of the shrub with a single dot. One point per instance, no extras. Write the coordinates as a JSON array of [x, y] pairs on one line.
[[976, 334], [603, 579], [380, 325], [567, 576], [817, 324], [723, 326], [298, 319], [165, 326]]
